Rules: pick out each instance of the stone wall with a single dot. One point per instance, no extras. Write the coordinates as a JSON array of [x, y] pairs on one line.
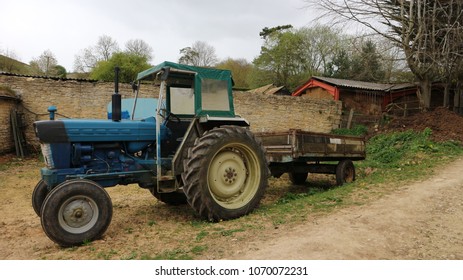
[[6, 135], [89, 99], [279, 113]]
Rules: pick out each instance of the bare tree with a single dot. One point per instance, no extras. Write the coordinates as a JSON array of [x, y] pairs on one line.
[[199, 54], [89, 57], [45, 63], [140, 48], [105, 47], [420, 27]]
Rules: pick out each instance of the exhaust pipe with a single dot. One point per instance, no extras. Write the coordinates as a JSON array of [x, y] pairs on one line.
[[116, 98]]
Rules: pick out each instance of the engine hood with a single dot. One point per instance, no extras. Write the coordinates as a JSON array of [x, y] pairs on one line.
[[87, 130]]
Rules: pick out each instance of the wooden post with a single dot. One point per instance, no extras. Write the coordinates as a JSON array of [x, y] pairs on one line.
[[349, 121]]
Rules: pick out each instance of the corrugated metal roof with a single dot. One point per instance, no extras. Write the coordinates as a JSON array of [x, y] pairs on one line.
[[354, 84]]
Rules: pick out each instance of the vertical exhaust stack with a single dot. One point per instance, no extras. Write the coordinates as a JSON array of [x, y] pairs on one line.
[[116, 98]]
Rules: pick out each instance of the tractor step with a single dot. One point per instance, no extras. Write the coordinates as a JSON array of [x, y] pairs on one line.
[[166, 184]]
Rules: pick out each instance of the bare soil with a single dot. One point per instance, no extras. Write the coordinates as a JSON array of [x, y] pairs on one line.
[[422, 220], [445, 124]]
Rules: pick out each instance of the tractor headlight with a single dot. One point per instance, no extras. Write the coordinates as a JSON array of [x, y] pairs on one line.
[[47, 155]]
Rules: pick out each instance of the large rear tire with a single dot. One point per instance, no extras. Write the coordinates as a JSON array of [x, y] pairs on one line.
[[225, 173], [75, 212]]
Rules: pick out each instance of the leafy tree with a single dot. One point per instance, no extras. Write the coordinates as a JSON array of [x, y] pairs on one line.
[[59, 71], [130, 65], [321, 44], [268, 31], [240, 69], [199, 54], [366, 65], [282, 57], [290, 56], [339, 66]]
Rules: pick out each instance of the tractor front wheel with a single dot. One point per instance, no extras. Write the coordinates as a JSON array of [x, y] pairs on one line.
[[38, 196], [225, 173], [75, 212]]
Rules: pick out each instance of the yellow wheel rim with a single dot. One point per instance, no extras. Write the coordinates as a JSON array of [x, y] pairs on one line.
[[234, 175]]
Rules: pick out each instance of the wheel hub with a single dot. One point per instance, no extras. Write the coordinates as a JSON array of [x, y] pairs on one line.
[[77, 213], [227, 175], [230, 175]]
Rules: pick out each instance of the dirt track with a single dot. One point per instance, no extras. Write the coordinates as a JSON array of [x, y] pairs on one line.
[[419, 221]]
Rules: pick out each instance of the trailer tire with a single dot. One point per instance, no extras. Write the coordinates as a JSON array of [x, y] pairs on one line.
[[38, 196], [75, 212], [345, 172], [225, 173]]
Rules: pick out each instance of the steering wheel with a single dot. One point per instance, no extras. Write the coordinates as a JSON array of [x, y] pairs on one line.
[[169, 116]]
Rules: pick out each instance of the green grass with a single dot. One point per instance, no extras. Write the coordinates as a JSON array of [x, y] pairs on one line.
[[357, 130]]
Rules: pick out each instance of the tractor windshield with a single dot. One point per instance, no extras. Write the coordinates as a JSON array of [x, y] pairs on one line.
[[182, 101]]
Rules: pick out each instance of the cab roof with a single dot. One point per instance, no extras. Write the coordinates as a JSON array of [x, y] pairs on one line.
[[201, 72]]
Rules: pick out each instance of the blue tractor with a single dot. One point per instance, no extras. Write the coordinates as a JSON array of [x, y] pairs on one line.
[[194, 150]]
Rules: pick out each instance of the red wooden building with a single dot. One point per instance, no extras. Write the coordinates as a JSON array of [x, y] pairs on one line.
[[365, 97]]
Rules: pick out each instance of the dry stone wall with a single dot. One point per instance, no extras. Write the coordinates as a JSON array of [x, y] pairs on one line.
[[279, 113], [6, 134], [89, 99]]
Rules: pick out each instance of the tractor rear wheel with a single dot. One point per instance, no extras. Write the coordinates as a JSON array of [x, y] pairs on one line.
[[75, 212], [38, 196], [225, 173]]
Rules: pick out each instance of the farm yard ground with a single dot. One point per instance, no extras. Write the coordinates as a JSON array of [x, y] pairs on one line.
[[392, 218], [420, 220]]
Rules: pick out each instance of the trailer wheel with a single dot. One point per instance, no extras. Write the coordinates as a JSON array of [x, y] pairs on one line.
[[76, 211], [225, 173], [298, 178], [345, 172], [38, 196]]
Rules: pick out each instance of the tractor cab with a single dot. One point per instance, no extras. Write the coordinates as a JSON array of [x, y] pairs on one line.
[[193, 91], [191, 100]]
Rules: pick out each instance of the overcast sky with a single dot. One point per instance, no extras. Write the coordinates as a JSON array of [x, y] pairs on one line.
[[29, 27]]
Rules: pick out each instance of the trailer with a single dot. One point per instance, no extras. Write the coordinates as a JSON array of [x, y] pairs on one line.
[[299, 153]]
